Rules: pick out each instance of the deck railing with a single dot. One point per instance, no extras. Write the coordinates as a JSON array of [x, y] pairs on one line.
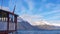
[[5, 19], [3, 23], [3, 26]]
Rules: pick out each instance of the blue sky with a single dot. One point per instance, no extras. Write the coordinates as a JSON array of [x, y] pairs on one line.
[[36, 10]]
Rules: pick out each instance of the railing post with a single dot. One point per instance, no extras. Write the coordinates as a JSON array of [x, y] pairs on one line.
[[15, 20], [8, 22]]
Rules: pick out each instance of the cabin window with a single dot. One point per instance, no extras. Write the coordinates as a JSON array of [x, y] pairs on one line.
[[3, 16]]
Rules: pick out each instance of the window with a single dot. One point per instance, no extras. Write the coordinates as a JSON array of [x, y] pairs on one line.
[[3, 16]]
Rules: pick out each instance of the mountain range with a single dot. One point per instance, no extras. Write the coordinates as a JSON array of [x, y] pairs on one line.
[[25, 25]]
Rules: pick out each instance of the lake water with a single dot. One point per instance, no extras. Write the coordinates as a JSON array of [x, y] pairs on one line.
[[38, 32]]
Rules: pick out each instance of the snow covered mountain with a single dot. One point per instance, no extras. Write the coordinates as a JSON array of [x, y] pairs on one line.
[[24, 25], [48, 27]]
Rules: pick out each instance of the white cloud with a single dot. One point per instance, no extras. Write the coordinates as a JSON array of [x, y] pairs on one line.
[[55, 8], [5, 8], [54, 22], [38, 20], [23, 9], [51, 12], [11, 4], [30, 4], [54, 17], [40, 9], [49, 5], [32, 19], [43, 1], [19, 6]]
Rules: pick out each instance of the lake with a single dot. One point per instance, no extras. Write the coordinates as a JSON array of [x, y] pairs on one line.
[[38, 32]]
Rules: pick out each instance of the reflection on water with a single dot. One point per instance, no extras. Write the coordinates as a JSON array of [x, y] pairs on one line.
[[38, 32]]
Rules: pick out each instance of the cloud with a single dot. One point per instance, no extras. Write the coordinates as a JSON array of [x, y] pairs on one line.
[[50, 5], [31, 18], [44, 0], [54, 22], [40, 9], [38, 20], [51, 12], [34, 19], [5, 8], [51, 8], [28, 13], [23, 9], [57, 7], [11, 4], [20, 8], [56, 17], [30, 4]]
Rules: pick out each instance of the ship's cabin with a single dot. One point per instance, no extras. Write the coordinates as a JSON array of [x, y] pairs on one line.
[[8, 22]]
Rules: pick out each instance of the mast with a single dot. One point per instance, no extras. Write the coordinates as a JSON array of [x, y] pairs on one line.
[[14, 11], [15, 17], [14, 7]]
